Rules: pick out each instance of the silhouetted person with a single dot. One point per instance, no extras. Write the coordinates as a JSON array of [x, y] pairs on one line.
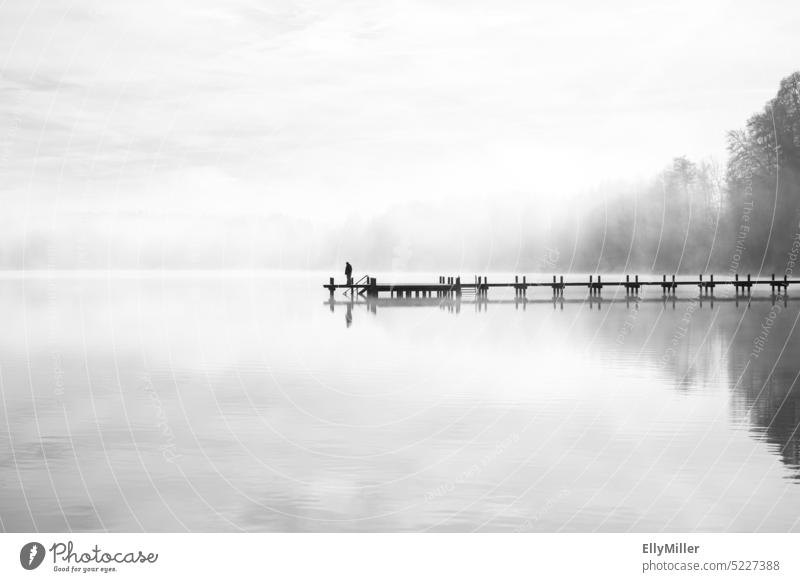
[[348, 272]]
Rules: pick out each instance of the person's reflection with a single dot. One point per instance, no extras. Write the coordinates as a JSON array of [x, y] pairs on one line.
[[348, 315]]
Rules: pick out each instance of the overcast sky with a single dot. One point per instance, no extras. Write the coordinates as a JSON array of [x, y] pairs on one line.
[[327, 108]]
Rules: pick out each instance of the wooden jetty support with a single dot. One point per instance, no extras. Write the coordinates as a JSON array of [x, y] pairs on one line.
[[454, 287]]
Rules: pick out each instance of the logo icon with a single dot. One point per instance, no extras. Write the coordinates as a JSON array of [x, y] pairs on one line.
[[31, 555]]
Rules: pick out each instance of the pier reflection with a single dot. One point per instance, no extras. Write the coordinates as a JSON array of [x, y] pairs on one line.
[[748, 344], [480, 304]]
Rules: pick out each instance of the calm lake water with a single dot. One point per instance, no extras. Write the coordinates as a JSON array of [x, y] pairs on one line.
[[248, 402]]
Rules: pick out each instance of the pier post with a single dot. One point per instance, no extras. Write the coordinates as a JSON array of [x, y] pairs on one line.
[[331, 289], [591, 291], [458, 286]]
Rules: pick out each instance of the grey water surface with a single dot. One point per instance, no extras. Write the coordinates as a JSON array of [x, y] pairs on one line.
[[226, 402]]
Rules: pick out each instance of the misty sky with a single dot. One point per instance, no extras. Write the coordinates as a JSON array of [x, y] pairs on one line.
[[325, 109]]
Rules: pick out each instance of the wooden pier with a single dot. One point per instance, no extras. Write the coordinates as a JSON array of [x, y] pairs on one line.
[[454, 286]]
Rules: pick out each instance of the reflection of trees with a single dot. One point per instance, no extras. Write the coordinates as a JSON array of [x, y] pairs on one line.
[[764, 387], [775, 409], [698, 347], [768, 393]]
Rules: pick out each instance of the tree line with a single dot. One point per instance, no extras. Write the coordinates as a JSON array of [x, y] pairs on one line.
[[701, 216]]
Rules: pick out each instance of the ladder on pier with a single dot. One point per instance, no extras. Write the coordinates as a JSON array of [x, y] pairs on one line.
[[362, 282]]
